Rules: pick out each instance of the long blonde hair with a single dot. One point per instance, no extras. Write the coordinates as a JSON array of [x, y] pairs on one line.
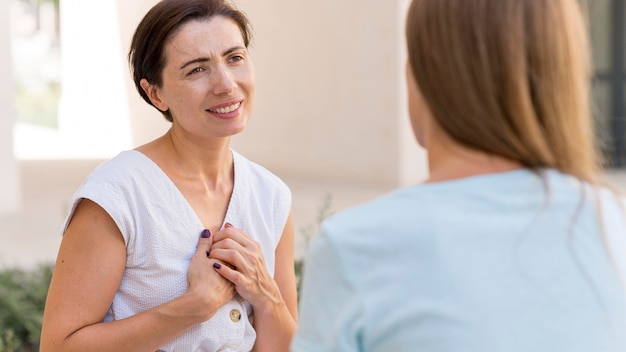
[[508, 77]]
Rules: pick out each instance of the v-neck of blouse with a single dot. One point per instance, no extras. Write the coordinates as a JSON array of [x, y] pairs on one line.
[[234, 196]]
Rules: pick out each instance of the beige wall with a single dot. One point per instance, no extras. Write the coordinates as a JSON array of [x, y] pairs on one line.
[[10, 190], [330, 91], [93, 109]]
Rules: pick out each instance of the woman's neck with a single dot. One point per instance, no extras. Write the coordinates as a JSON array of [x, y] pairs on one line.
[[449, 160], [207, 161]]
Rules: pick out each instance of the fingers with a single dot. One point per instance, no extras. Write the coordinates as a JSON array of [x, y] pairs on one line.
[[231, 257], [233, 246], [228, 243], [228, 273], [236, 249], [205, 242], [237, 235]]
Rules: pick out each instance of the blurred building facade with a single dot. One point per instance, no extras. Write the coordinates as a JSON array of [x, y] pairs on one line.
[[608, 39], [330, 98]]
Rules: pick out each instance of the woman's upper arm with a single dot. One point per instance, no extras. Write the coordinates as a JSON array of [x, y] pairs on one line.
[[88, 271], [284, 273]]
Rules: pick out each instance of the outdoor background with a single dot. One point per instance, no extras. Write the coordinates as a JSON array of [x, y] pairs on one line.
[[330, 114]]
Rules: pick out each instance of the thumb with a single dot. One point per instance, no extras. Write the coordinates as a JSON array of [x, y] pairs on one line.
[[205, 242]]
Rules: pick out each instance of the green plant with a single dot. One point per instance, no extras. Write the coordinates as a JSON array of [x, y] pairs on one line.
[[22, 299], [309, 231], [8, 341]]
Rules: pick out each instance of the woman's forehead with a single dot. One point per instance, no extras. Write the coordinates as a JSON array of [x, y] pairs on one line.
[[211, 36]]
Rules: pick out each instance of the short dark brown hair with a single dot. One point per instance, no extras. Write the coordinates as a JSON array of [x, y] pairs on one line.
[[147, 50]]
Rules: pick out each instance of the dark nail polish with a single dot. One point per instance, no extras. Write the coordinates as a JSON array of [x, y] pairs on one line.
[[206, 233], [208, 253], [217, 265]]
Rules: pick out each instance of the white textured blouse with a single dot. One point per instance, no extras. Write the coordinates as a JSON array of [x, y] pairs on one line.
[[161, 231]]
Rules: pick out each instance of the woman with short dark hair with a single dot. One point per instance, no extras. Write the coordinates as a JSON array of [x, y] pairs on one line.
[[181, 244]]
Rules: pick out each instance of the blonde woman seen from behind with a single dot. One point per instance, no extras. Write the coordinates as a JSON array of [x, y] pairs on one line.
[[510, 245]]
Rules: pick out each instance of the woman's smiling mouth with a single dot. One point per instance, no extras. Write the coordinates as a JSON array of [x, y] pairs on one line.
[[226, 109]]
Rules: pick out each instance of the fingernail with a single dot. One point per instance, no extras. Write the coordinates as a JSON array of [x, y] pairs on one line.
[[208, 253], [217, 265], [206, 233], [228, 225]]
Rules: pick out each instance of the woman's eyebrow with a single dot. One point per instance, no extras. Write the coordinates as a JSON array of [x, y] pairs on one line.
[[205, 59], [200, 59], [235, 48]]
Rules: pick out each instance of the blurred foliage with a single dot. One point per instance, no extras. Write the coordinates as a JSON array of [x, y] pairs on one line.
[[22, 299], [55, 2], [308, 232]]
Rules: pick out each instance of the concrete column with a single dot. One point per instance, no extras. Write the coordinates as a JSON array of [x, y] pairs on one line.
[[10, 185], [331, 96], [93, 110]]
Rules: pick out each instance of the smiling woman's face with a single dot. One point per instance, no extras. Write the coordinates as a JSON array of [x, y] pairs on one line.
[[208, 79]]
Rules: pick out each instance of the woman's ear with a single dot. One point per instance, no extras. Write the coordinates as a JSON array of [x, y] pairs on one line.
[[153, 93]]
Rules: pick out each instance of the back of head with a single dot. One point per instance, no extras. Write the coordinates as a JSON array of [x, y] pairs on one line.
[[147, 50], [508, 77]]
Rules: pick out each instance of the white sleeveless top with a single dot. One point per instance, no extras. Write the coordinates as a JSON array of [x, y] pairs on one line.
[[161, 232]]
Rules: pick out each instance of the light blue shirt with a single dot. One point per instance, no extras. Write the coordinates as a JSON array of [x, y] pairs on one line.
[[502, 262]]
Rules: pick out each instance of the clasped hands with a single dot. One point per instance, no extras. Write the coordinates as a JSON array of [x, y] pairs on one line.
[[228, 262]]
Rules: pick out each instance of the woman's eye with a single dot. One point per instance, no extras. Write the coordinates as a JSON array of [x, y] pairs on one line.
[[236, 58], [195, 70]]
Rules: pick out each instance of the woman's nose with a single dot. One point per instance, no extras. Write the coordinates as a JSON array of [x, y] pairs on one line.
[[223, 81]]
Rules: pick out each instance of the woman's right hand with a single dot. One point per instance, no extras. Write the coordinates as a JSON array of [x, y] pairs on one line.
[[204, 281]]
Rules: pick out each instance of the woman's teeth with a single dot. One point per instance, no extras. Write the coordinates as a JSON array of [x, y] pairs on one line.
[[226, 109]]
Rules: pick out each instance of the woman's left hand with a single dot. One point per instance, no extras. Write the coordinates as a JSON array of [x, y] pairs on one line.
[[246, 267]]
